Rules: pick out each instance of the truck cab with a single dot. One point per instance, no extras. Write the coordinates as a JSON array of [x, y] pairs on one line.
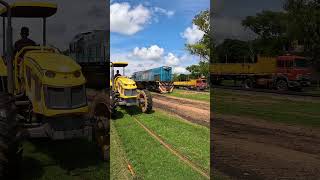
[[295, 69]]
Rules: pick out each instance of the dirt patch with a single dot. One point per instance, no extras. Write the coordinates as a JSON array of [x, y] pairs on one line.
[[186, 102], [254, 149], [191, 110]]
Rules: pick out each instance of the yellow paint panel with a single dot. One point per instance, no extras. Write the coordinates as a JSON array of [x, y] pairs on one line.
[[264, 65], [3, 68]]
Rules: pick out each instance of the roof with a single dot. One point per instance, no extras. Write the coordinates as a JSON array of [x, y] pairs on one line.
[[30, 9], [119, 64]]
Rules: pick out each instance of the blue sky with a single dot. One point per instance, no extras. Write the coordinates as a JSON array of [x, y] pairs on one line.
[[149, 34]]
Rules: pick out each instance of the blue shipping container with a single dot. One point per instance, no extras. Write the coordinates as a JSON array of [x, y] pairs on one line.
[[163, 74]]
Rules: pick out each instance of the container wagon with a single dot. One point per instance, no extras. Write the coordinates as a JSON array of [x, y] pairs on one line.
[[157, 79], [282, 72], [91, 51], [195, 84]]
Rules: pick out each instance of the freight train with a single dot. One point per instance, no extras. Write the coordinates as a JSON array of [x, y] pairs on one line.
[[193, 84], [91, 51], [157, 79], [282, 72]]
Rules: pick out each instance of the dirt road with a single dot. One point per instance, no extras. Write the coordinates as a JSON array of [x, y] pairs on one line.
[[253, 149], [195, 111], [246, 148]]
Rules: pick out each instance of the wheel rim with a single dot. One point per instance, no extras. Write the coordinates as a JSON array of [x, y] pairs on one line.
[[143, 105], [248, 84]]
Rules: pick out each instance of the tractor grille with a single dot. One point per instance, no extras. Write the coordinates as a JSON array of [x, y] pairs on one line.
[[65, 98], [130, 92]]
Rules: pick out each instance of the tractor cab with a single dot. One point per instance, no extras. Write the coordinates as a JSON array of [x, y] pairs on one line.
[[122, 84]]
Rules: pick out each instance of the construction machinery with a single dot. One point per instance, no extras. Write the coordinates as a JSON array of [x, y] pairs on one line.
[[124, 91], [45, 88]]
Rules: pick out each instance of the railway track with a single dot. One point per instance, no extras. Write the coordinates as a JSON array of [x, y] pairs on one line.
[[269, 91]]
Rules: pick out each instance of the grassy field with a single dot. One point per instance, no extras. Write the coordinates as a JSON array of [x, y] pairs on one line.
[[66, 160], [194, 95], [149, 159], [267, 107], [118, 161]]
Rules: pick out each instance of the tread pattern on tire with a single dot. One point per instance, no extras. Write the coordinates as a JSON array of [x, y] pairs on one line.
[[148, 100], [10, 152]]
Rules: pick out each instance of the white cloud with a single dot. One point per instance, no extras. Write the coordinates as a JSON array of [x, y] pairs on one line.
[[154, 52], [128, 20], [192, 34], [164, 11], [171, 60], [180, 70]]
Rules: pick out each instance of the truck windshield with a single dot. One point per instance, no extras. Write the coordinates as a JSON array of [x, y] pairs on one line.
[[301, 63]]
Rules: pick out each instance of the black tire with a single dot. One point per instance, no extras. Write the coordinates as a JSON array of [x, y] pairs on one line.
[[112, 105], [248, 83], [100, 112], [146, 106], [282, 85], [10, 148]]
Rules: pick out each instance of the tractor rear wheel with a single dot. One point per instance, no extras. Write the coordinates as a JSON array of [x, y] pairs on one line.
[[145, 101], [10, 151]]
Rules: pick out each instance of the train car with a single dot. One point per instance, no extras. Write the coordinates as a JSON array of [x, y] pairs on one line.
[[195, 84], [282, 72], [91, 51], [157, 79]]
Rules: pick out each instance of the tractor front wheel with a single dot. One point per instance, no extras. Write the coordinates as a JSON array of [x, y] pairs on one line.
[[100, 113], [145, 101], [10, 147]]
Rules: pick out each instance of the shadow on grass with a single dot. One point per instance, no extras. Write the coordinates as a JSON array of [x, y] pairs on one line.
[[66, 154], [135, 110], [117, 115]]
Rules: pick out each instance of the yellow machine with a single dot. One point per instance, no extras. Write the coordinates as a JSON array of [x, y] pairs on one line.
[[48, 87], [124, 91], [264, 65]]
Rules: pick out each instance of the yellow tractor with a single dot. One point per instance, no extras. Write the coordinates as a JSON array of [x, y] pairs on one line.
[[124, 91], [43, 91]]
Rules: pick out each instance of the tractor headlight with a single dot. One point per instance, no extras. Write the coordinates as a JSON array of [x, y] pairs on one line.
[[77, 74], [50, 74]]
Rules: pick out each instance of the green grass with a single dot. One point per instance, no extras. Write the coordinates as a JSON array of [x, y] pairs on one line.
[[193, 95], [149, 159], [118, 162], [66, 160], [267, 107], [190, 139]]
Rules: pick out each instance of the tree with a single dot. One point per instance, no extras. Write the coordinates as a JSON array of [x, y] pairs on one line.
[[304, 25], [198, 70], [232, 51], [202, 48], [272, 30], [267, 24]]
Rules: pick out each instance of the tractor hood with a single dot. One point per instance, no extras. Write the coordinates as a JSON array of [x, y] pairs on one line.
[[53, 61], [126, 83], [125, 80]]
